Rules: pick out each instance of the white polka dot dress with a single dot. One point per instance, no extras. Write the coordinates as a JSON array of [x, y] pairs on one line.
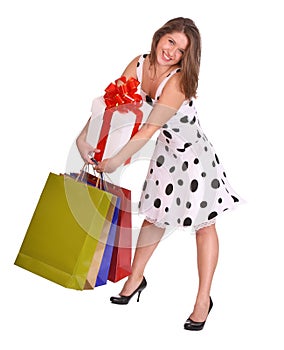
[[186, 185]]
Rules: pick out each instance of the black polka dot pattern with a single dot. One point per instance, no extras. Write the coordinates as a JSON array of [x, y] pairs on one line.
[[194, 185], [235, 199], [184, 119], [169, 189], [145, 185], [149, 100], [212, 215], [186, 145], [217, 159], [167, 134], [186, 185], [215, 183], [160, 161], [157, 203], [193, 120], [185, 165], [187, 222]]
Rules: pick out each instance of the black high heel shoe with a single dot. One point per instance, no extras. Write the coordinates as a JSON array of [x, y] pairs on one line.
[[197, 326], [123, 299]]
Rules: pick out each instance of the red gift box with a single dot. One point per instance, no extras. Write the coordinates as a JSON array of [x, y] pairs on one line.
[[122, 98]]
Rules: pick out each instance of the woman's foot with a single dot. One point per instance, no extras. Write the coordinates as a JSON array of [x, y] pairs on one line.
[[197, 319], [131, 285], [124, 299], [200, 311]]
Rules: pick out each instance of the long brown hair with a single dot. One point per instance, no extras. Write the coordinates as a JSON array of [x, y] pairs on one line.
[[190, 62]]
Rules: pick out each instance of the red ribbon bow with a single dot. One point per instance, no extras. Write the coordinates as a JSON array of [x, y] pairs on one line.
[[124, 94]]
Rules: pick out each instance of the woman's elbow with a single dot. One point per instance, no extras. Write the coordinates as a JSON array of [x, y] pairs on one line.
[[150, 129]]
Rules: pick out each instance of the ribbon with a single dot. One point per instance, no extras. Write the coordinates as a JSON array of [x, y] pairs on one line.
[[124, 99], [123, 94]]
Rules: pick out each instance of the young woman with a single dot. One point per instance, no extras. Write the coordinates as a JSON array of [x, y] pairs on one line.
[[186, 185]]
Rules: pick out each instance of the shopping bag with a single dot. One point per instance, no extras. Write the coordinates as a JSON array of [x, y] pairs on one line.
[[120, 265], [102, 257], [106, 260], [100, 264], [107, 247], [67, 225]]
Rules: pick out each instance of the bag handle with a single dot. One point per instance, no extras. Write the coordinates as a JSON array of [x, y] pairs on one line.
[[101, 174], [85, 169], [100, 180]]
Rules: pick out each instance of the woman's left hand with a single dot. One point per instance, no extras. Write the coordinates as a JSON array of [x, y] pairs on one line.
[[107, 165]]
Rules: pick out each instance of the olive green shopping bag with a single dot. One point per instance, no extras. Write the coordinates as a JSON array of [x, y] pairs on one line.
[[65, 230]]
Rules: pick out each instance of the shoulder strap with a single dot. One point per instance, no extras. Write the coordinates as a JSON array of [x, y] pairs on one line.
[[139, 68]]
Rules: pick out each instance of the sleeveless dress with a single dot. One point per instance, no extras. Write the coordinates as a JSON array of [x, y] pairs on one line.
[[186, 185]]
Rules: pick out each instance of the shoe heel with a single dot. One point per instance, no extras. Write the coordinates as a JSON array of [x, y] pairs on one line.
[[138, 298]]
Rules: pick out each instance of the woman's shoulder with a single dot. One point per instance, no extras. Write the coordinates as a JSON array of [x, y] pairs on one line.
[[172, 94], [138, 61], [173, 83], [130, 70]]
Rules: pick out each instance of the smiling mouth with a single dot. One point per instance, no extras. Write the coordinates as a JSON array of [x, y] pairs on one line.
[[165, 57]]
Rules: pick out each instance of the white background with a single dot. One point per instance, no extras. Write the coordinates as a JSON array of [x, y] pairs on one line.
[[56, 56]]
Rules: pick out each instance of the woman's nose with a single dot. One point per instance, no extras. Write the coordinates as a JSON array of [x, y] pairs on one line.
[[172, 51]]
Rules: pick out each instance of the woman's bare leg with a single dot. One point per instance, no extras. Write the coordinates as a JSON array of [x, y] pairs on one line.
[[207, 257], [148, 240]]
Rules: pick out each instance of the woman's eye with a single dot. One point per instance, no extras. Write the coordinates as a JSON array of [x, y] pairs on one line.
[[181, 51], [171, 41]]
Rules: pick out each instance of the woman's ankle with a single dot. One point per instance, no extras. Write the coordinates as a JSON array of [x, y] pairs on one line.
[[136, 276]]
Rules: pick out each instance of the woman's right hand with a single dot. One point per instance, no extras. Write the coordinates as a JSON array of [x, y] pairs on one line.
[[86, 150]]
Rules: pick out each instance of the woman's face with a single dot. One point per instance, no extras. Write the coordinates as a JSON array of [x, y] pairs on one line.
[[171, 48]]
